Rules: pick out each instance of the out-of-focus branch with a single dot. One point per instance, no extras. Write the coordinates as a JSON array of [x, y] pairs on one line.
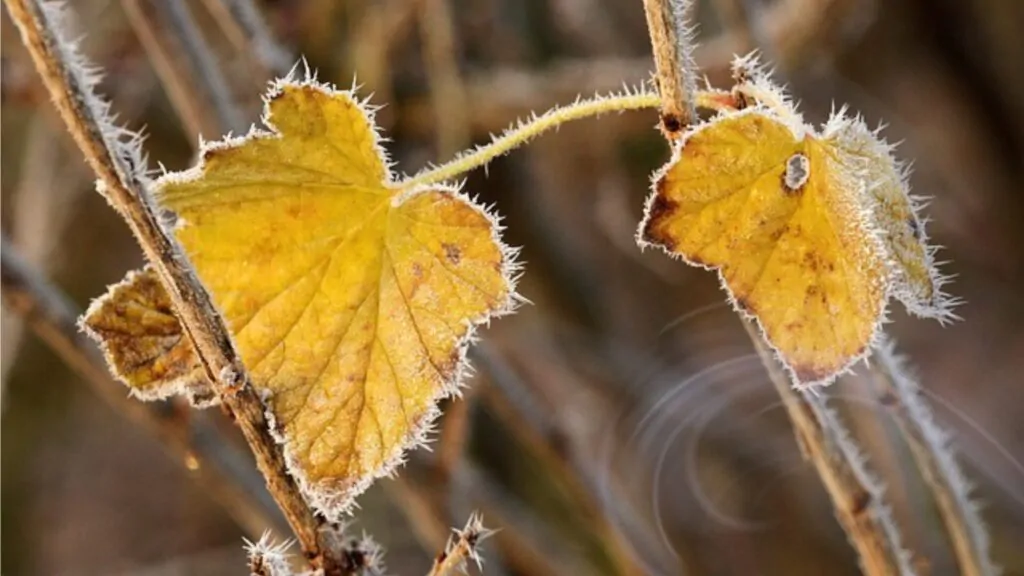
[[934, 458], [203, 63], [499, 97], [423, 509], [186, 66], [856, 496], [529, 546], [512, 403], [119, 167], [442, 66], [383, 26], [242, 23], [165, 52], [193, 442]]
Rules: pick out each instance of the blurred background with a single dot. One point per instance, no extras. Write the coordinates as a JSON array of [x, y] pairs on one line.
[[619, 424]]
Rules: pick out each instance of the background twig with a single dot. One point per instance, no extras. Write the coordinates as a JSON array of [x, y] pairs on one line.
[[118, 165], [192, 442], [933, 455], [855, 494]]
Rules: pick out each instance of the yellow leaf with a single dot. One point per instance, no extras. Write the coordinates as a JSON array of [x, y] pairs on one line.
[[774, 209], [916, 280], [351, 300], [143, 342]]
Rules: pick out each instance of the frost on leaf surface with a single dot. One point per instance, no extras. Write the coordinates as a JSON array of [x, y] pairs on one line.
[[143, 341], [811, 232], [803, 260], [351, 300], [917, 281]]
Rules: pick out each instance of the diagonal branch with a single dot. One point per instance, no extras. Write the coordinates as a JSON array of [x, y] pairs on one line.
[[115, 156], [934, 458], [855, 493], [195, 442], [674, 63]]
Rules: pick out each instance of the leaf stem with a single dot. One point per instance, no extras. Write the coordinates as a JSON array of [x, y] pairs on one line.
[[855, 493], [671, 43], [934, 457], [523, 132], [119, 166]]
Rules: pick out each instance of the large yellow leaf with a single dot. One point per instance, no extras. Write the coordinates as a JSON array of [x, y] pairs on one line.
[[351, 300], [775, 210]]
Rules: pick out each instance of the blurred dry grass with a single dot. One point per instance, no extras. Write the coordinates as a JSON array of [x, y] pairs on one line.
[[628, 390]]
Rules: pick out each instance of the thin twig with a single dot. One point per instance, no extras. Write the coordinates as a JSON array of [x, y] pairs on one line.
[[455, 429], [934, 457], [530, 546], [447, 92], [380, 28], [193, 443], [674, 64], [856, 495], [463, 548], [203, 62], [510, 401], [43, 203], [120, 169], [423, 514], [164, 51], [242, 23]]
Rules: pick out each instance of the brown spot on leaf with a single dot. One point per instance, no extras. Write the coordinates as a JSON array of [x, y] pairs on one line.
[[811, 261], [810, 373], [660, 210], [743, 304], [452, 253], [211, 153], [812, 291]]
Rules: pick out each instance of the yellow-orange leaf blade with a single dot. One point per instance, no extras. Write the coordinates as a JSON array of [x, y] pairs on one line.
[[783, 224], [351, 301]]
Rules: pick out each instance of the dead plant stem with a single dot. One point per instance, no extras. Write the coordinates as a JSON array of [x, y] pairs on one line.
[[673, 61], [202, 60], [935, 460], [193, 442], [855, 497], [124, 185]]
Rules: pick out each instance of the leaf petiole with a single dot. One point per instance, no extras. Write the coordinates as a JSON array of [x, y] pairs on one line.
[[525, 131]]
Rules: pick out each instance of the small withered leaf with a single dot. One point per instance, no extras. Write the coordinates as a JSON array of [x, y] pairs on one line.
[[143, 342]]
